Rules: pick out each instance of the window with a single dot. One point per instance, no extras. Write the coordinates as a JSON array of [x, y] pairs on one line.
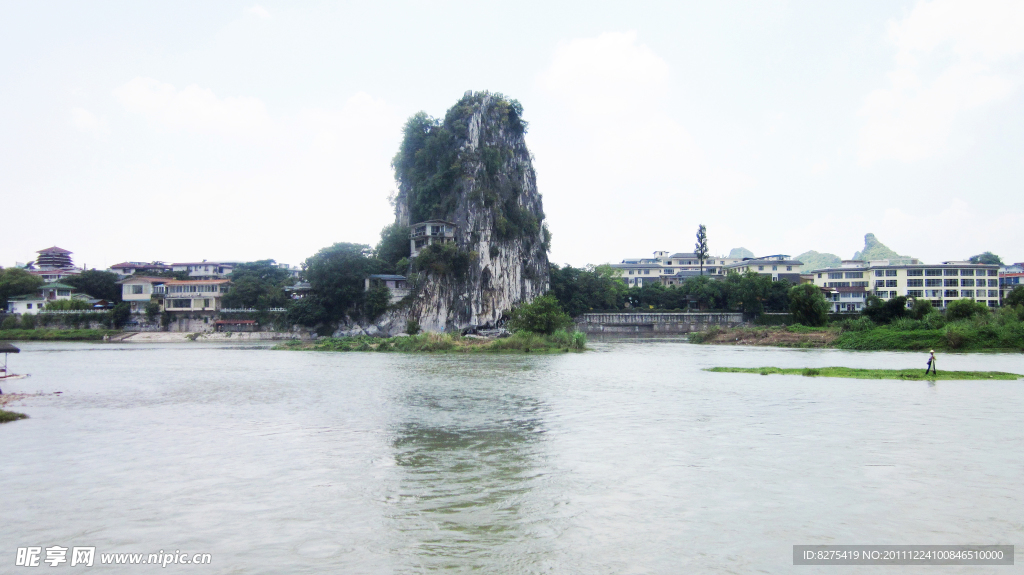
[[967, 293], [859, 284], [915, 283], [890, 273], [775, 268], [669, 262], [950, 293], [181, 303], [890, 283], [992, 283], [951, 283], [933, 272], [630, 272], [915, 273], [993, 272], [949, 272], [64, 292], [834, 275], [933, 293], [137, 289], [819, 276], [760, 268], [879, 273], [883, 294], [206, 303], [967, 272], [668, 270], [993, 293], [854, 274], [789, 268], [647, 272], [968, 283], [915, 293], [879, 283], [933, 283], [28, 305]]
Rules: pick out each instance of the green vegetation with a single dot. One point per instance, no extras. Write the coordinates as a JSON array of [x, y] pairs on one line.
[[100, 285], [808, 305], [700, 249], [541, 316], [851, 373], [813, 260], [393, 248], [258, 285], [432, 161], [444, 259], [8, 416], [55, 334], [986, 258], [336, 276], [521, 342], [580, 290], [1015, 298], [68, 305], [16, 281], [876, 250]]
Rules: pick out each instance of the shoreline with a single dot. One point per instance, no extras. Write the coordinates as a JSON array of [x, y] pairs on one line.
[[878, 338]]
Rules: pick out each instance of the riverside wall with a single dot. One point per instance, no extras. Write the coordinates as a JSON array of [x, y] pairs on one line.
[[655, 322]]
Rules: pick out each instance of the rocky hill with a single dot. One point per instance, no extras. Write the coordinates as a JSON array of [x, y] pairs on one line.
[[741, 253], [472, 169], [813, 260], [876, 250]]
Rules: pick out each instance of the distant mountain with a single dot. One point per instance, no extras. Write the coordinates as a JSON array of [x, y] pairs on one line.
[[876, 250], [813, 260], [741, 253]]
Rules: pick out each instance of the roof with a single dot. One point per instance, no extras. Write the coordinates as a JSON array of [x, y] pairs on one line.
[[693, 256], [56, 285], [433, 222], [143, 278], [387, 277], [760, 261], [29, 297], [54, 250], [8, 348], [203, 263], [138, 265], [195, 282]]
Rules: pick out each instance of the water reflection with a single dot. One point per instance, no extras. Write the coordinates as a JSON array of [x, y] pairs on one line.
[[463, 495]]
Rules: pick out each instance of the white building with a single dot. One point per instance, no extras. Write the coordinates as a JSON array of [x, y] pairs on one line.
[[666, 268]]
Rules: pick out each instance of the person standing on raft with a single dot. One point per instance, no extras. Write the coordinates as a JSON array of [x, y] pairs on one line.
[[931, 364]]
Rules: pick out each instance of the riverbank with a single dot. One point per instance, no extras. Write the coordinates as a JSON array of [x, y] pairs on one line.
[[42, 334], [522, 342], [852, 373], [958, 336]]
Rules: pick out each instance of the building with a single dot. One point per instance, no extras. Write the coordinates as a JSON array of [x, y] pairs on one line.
[[125, 269], [668, 269], [397, 285], [779, 267], [1009, 278], [50, 276], [138, 291], [855, 280], [33, 303], [194, 295], [299, 290], [54, 258], [205, 270], [428, 233]]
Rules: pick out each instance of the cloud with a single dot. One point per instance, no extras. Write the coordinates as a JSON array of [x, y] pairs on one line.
[[86, 121], [258, 11], [192, 108], [951, 57]]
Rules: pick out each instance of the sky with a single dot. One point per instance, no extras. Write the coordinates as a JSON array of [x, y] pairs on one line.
[[183, 131]]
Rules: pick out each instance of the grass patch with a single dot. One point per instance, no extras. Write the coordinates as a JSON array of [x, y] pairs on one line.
[[852, 373], [55, 334], [520, 342], [8, 416]]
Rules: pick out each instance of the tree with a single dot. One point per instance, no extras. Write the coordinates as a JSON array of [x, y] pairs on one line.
[[336, 275], [987, 258], [883, 312], [921, 308], [580, 290], [749, 291], [120, 314], [152, 311], [393, 245], [259, 285], [1015, 297], [16, 281], [808, 305], [542, 315], [377, 300], [701, 248], [964, 309], [309, 311], [100, 285]]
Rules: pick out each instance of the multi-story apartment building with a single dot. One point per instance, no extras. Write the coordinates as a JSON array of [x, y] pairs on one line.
[[205, 270], [174, 295], [779, 266], [125, 269], [849, 285], [668, 269], [1010, 278]]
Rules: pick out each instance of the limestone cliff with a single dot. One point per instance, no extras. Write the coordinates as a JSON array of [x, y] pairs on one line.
[[876, 250], [472, 169]]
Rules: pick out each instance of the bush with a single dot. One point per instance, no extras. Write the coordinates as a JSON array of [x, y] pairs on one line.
[[152, 311], [542, 315], [377, 300], [921, 308], [964, 309], [1015, 297], [412, 327], [956, 336], [10, 322], [443, 259], [808, 305], [28, 321], [934, 320], [859, 324], [883, 312], [120, 314]]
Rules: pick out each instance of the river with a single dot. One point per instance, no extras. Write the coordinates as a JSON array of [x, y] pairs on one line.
[[624, 459]]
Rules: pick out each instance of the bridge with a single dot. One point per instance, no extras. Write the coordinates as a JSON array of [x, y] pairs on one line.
[[655, 322]]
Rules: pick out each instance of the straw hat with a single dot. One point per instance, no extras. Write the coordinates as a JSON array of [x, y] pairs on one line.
[[932, 351]]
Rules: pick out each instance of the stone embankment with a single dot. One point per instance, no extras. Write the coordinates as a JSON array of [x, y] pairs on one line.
[[225, 337], [655, 322]]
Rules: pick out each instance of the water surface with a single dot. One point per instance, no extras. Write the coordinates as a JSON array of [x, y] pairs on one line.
[[625, 459]]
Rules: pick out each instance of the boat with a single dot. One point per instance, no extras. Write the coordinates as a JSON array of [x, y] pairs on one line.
[[5, 375]]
